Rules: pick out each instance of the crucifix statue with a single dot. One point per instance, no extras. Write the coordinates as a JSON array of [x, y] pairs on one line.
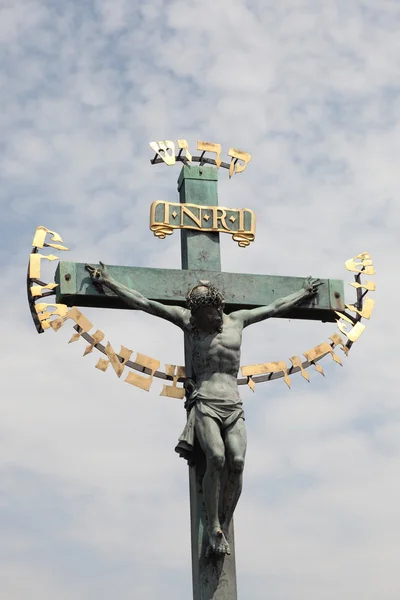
[[215, 410], [211, 308]]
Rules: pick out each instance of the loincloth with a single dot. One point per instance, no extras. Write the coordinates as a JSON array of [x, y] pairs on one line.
[[224, 412]]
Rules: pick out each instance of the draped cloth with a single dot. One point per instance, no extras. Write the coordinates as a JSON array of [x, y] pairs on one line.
[[224, 411]]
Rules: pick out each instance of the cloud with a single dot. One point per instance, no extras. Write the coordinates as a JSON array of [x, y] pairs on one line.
[[94, 499]]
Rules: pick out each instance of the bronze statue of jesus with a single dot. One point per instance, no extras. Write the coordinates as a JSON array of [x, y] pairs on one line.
[[216, 414]]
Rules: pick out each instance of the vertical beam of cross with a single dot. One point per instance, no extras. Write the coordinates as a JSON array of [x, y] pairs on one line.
[[214, 578]]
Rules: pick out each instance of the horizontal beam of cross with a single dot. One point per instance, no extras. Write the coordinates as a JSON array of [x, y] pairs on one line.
[[170, 286]]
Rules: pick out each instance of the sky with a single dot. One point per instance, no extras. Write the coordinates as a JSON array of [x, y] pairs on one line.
[[93, 499]]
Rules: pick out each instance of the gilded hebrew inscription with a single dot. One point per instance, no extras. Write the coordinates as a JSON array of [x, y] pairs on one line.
[[165, 150]]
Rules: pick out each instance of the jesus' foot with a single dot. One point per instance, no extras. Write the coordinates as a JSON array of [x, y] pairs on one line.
[[218, 543]]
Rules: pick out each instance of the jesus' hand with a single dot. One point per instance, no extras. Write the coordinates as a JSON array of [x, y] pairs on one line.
[[311, 286], [99, 274]]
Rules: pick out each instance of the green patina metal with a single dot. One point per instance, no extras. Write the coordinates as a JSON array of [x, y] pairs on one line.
[[170, 286], [199, 251], [214, 578]]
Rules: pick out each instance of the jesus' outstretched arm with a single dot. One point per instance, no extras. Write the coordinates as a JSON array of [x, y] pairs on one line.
[[249, 316], [175, 314]]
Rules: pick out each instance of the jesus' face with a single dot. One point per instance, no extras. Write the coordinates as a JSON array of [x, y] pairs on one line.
[[207, 318]]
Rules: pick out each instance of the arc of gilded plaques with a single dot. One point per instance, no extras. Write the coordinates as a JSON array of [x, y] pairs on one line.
[[349, 325], [43, 314]]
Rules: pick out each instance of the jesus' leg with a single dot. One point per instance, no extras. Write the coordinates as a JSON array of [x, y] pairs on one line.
[[210, 439], [235, 444]]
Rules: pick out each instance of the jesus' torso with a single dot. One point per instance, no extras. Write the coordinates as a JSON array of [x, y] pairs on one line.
[[216, 360]]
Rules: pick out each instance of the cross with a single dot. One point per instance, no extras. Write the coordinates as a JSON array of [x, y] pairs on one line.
[[214, 578]]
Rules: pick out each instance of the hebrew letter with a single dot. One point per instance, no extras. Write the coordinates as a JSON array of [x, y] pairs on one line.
[[166, 150], [97, 337], [76, 316], [364, 266], [37, 290], [172, 391], [40, 236], [184, 146], [337, 341], [44, 315], [296, 362], [271, 367], [34, 264], [80, 319], [320, 351], [210, 147], [114, 359], [354, 333], [238, 155], [139, 380], [367, 309]]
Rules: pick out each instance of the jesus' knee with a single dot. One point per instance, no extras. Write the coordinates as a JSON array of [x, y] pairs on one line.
[[238, 464], [218, 459]]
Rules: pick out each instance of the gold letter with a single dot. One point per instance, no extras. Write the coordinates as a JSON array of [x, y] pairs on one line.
[[296, 362], [367, 309], [320, 351], [138, 380], [172, 391], [271, 367], [167, 148], [97, 337], [365, 265], [34, 264], [44, 315], [114, 359], [337, 341], [216, 218], [36, 290], [76, 316], [186, 211], [40, 236], [184, 146], [238, 155], [354, 333], [210, 147]]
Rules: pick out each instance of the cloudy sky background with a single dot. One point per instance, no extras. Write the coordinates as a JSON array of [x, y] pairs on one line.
[[93, 499]]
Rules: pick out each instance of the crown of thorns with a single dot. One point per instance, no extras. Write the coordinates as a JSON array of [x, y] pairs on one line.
[[211, 297]]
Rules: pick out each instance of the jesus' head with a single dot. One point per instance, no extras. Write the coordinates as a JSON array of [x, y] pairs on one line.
[[206, 304]]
